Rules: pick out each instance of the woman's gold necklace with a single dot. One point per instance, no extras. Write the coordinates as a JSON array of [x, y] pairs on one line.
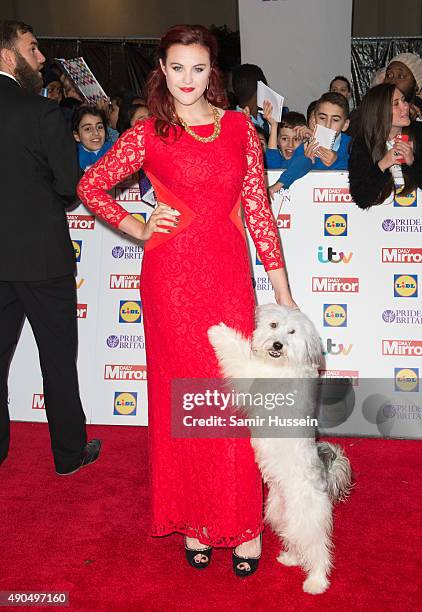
[[214, 135]]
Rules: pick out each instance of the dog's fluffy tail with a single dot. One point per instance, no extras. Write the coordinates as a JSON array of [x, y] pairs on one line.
[[338, 470]]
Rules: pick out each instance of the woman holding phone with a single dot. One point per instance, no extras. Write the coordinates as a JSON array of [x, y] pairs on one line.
[[386, 152]]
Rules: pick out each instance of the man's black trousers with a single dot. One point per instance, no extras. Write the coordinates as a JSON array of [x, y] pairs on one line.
[[50, 306]]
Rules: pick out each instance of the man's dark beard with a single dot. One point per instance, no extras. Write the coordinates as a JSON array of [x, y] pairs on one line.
[[27, 77]]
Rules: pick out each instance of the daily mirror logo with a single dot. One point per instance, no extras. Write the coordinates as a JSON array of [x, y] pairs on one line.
[[38, 401], [331, 284], [284, 221], [125, 372], [82, 311], [124, 281], [404, 348], [80, 222], [401, 255], [332, 195]]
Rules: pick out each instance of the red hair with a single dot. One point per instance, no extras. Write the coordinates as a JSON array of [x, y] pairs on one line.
[[159, 100]]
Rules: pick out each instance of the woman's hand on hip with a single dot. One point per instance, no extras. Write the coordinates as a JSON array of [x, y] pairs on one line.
[[163, 220]]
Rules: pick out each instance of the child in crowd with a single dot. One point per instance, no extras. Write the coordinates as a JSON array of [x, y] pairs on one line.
[[283, 140], [341, 85], [263, 140], [128, 110], [332, 111], [244, 82], [89, 126]]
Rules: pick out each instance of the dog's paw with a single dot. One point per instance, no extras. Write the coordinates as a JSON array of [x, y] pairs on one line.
[[288, 558], [219, 333], [214, 332], [314, 585]]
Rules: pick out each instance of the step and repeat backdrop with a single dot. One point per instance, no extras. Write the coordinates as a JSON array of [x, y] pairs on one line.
[[355, 273]]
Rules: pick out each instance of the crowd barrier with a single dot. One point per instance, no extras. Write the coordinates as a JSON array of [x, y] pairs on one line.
[[355, 273]]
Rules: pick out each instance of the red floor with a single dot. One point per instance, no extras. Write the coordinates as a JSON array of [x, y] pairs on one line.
[[87, 534]]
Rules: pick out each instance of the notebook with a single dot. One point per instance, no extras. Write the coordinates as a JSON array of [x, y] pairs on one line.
[[266, 93], [325, 136]]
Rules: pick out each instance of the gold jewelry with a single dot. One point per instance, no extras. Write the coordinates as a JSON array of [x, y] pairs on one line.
[[217, 127]]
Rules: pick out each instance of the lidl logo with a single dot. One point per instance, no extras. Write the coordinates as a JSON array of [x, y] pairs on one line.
[[140, 216], [406, 201], [335, 315], [130, 311], [125, 403], [406, 379], [335, 225], [258, 261], [77, 247], [406, 285]]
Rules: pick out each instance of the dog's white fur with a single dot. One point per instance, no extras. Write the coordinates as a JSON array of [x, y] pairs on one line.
[[304, 477]]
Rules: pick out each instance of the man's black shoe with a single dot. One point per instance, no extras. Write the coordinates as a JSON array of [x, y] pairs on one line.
[[90, 454]]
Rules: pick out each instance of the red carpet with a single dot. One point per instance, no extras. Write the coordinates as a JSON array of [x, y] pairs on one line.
[[87, 534]]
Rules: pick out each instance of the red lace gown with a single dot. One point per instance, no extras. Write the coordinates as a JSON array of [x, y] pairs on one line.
[[191, 279]]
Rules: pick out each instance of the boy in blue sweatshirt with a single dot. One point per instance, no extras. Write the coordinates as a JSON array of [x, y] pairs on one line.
[[89, 125], [331, 111], [284, 139]]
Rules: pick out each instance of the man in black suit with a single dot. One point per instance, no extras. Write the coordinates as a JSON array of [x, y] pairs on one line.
[[38, 177]]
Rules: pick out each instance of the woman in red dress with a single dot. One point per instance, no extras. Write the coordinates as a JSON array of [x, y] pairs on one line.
[[204, 163]]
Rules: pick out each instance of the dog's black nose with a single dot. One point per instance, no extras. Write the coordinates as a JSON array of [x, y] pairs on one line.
[[277, 346]]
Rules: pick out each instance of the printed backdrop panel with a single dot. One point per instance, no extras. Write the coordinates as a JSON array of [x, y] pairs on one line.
[[355, 273]]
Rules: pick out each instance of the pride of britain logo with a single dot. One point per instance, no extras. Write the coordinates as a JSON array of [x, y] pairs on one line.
[[127, 252], [405, 226]]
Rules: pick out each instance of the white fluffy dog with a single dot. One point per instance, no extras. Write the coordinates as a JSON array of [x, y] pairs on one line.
[[304, 477]]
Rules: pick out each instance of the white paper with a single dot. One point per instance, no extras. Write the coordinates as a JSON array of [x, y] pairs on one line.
[[266, 93], [324, 136]]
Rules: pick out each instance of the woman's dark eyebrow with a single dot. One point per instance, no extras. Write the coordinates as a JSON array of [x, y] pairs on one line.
[[179, 64]]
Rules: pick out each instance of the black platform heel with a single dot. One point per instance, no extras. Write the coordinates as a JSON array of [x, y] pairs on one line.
[[252, 562], [198, 558]]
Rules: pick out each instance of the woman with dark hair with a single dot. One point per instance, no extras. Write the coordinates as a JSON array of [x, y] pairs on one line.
[[386, 152], [203, 163]]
